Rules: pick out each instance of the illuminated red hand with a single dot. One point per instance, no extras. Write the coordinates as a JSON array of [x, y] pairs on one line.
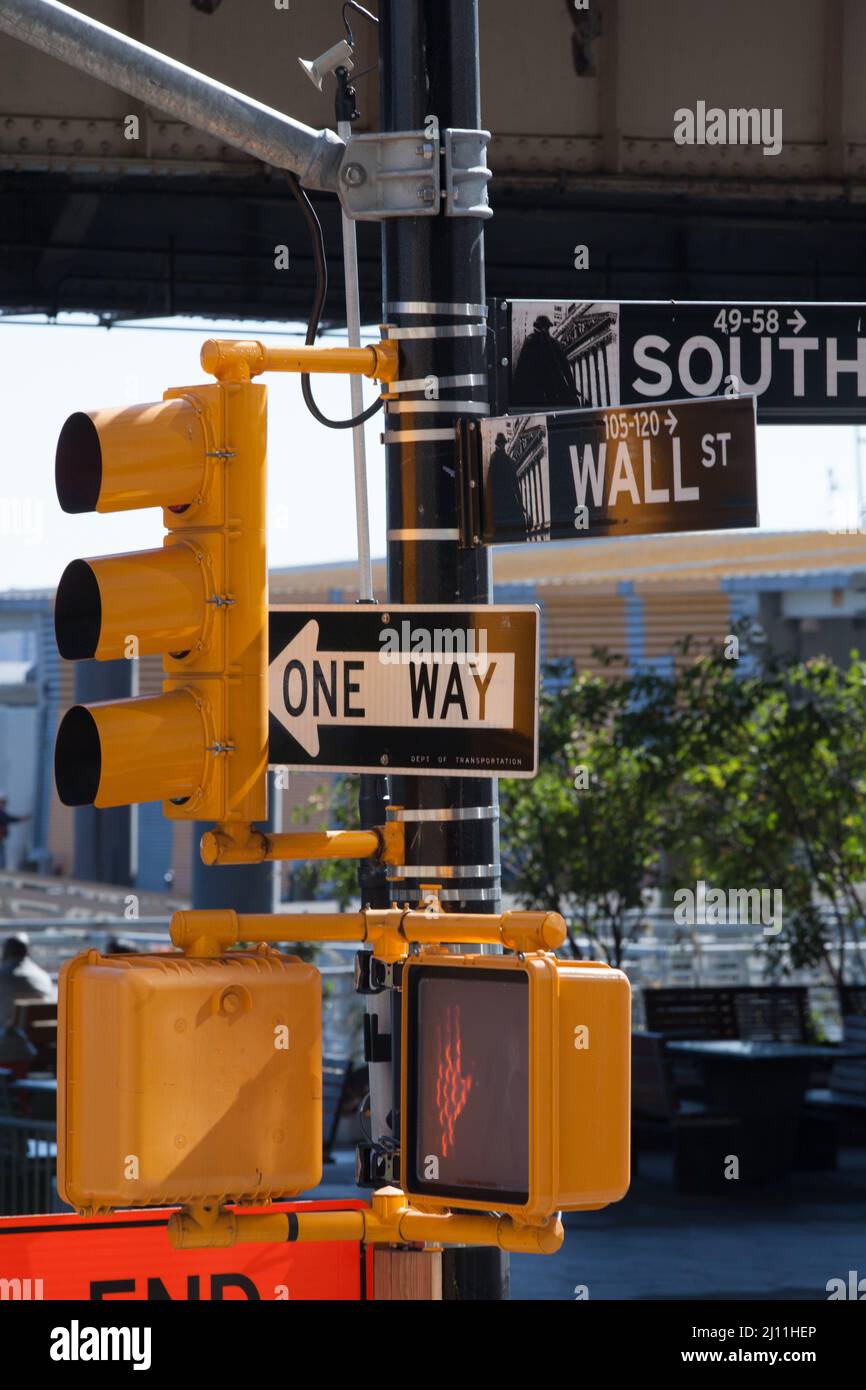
[[452, 1087]]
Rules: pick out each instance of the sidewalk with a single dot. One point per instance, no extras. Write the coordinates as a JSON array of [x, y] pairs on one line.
[[784, 1242]]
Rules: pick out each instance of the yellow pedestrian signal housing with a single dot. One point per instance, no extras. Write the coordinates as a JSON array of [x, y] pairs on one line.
[[184, 1079], [515, 1088], [200, 601]]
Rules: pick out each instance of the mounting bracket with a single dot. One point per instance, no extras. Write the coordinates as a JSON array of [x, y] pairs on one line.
[[415, 173]]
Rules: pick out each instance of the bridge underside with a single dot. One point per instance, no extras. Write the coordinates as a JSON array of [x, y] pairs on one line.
[[138, 248]]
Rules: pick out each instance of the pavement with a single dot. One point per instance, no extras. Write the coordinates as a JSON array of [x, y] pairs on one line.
[[782, 1242]]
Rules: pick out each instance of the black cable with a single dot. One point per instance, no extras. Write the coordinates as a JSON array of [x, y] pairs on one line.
[[353, 5], [315, 229]]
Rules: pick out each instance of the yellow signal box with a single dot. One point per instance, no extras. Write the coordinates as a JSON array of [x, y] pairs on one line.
[[200, 601], [516, 1084], [208, 1073]]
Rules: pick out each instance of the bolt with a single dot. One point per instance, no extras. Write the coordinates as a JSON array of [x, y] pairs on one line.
[[384, 760], [503, 361], [386, 617], [426, 193], [354, 175]]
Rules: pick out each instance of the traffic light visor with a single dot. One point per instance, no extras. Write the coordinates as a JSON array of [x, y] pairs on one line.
[[122, 458], [78, 464]]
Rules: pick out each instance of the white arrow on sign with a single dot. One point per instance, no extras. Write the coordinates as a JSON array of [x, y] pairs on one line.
[[444, 688], [671, 421], [797, 321]]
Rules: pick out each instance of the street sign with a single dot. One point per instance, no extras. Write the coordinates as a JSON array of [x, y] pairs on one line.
[[632, 471], [806, 363], [64, 1257], [407, 689]]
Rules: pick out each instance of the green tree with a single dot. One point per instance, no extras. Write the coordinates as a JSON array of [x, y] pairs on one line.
[[584, 837], [778, 803], [331, 806], [750, 780]]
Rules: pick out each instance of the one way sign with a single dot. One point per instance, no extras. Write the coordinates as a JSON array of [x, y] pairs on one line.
[[411, 689]]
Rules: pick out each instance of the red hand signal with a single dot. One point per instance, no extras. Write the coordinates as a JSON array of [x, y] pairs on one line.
[[452, 1087]]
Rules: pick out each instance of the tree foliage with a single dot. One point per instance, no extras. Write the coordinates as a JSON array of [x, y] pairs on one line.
[[746, 780]]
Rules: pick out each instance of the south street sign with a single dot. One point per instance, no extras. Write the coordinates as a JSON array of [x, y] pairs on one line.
[[407, 689], [806, 363], [636, 470]]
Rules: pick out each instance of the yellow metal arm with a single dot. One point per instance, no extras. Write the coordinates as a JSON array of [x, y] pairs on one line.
[[244, 844], [390, 1221], [390, 931], [240, 359]]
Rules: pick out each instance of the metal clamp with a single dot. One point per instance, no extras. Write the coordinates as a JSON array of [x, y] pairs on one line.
[[446, 406], [399, 174], [372, 975], [443, 813], [444, 871], [443, 383], [423, 308], [390, 174], [466, 173]]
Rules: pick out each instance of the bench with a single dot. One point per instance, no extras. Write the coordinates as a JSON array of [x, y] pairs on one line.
[[752, 1013], [756, 1013], [701, 1138], [846, 1093]]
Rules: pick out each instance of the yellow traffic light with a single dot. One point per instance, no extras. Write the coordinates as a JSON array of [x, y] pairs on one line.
[[515, 1087], [200, 602], [208, 1073]]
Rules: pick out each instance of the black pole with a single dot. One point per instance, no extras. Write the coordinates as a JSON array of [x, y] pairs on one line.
[[433, 277]]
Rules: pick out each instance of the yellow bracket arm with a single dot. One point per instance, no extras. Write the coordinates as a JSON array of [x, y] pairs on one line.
[[244, 844], [389, 1221], [390, 931], [240, 359]]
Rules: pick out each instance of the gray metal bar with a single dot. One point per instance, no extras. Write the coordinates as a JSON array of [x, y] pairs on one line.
[[359, 445], [190, 96]]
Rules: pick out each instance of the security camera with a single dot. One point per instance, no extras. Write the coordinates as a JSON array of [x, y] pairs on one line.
[[340, 56]]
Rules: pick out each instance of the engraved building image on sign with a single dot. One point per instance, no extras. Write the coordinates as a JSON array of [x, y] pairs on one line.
[[564, 354]]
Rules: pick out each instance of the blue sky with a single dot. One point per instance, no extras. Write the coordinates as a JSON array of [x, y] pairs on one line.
[[48, 371]]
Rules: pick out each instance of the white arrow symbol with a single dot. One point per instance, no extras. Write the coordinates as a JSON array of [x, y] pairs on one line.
[[798, 320], [671, 421], [449, 689], [302, 726]]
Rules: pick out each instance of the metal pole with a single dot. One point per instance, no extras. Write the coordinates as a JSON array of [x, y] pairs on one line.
[[433, 276], [359, 445], [190, 96]]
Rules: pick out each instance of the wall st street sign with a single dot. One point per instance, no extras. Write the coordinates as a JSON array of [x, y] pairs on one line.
[[805, 363], [631, 471], [411, 689]]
